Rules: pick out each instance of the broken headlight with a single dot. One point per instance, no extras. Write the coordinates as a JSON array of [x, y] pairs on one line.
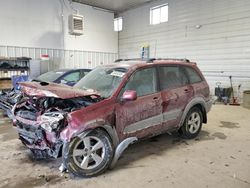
[[51, 120]]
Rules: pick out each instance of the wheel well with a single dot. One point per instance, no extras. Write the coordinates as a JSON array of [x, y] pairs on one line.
[[103, 129], [203, 111], [111, 136]]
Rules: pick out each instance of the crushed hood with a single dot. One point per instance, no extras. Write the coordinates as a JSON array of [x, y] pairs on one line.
[[42, 89]]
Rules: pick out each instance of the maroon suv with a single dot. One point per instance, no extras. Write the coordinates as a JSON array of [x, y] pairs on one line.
[[91, 124]]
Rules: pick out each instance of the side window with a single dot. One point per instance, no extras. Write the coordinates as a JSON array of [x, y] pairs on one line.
[[143, 82], [194, 77], [72, 77], [172, 77], [84, 73]]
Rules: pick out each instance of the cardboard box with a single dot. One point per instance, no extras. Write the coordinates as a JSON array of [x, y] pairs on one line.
[[5, 84]]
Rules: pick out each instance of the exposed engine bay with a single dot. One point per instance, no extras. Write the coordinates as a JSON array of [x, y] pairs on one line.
[[40, 120]]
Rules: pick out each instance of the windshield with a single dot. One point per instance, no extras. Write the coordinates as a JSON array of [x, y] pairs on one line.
[[104, 80], [50, 76]]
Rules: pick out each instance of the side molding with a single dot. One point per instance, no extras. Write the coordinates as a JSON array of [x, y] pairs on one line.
[[121, 148]]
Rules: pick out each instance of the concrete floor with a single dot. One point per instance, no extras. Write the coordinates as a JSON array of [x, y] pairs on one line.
[[219, 157]]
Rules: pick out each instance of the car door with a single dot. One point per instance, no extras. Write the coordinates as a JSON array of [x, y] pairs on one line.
[[175, 92], [143, 116]]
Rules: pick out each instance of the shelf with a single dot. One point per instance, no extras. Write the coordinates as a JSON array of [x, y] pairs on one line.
[[15, 59], [14, 69], [5, 78]]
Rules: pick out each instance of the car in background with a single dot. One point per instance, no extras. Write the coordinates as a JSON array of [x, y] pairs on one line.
[[91, 124], [63, 76]]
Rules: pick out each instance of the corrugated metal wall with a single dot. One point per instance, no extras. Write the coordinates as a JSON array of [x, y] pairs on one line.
[[221, 46], [61, 58]]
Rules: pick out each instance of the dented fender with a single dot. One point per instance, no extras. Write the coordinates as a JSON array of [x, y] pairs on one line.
[[70, 132]]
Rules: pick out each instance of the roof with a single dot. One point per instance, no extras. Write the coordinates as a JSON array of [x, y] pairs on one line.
[[66, 70], [133, 63]]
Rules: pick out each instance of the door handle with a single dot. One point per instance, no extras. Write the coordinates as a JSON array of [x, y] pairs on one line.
[[155, 98], [187, 90]]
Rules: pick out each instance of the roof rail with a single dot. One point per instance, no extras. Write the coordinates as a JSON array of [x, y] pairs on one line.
[[174, 59], [150, 60], [132, 59]]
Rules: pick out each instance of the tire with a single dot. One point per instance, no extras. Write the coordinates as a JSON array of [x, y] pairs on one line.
[[192, 124], [84, 159]]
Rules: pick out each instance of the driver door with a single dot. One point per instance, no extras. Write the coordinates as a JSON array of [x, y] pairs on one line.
[[143, 116]]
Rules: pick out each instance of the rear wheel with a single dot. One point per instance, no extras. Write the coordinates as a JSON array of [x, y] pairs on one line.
[[192, 124], [90, 155]]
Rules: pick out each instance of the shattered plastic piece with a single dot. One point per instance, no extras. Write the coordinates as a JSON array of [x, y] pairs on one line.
[[62, 168]]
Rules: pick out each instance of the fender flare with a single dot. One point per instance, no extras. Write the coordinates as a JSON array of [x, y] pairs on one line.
[[82, 133], [191, 104], [101, 124]]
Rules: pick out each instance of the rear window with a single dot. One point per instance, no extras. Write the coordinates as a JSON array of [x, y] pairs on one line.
[[172, 77], [193, 76]]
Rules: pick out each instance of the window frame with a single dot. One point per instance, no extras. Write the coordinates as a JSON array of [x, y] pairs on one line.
[[186, 72], [151, 15], [116, 24]]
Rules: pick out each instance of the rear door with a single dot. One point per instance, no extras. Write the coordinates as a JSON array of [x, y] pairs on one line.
[[142, 117], [175, 92]]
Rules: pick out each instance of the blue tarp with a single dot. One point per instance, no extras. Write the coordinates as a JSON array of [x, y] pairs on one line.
[[16, 79]]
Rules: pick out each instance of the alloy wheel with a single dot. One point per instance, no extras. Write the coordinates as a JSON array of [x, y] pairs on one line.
[[89, 152], [194, 122]]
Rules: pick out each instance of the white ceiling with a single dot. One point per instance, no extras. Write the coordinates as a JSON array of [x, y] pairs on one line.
[[114, 5]]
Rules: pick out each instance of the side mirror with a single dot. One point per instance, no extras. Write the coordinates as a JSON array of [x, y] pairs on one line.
[[129, 95]]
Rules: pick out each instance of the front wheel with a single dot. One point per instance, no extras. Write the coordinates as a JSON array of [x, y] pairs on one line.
[[91, 155], [192, 124]]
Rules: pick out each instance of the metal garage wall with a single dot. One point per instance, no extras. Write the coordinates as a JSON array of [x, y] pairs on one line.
[[61, 58], [221, 46], [44, 24]]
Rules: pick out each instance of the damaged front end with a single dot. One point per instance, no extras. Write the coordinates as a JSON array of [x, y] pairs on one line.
[[40, 120], [8, 98]]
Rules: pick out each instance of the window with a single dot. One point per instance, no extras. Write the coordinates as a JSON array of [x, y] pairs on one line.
[[143, 82], [159, 14], [194, 77], [104, 80], [172, 77], [118, 24], [84, 72], [72, 77]]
